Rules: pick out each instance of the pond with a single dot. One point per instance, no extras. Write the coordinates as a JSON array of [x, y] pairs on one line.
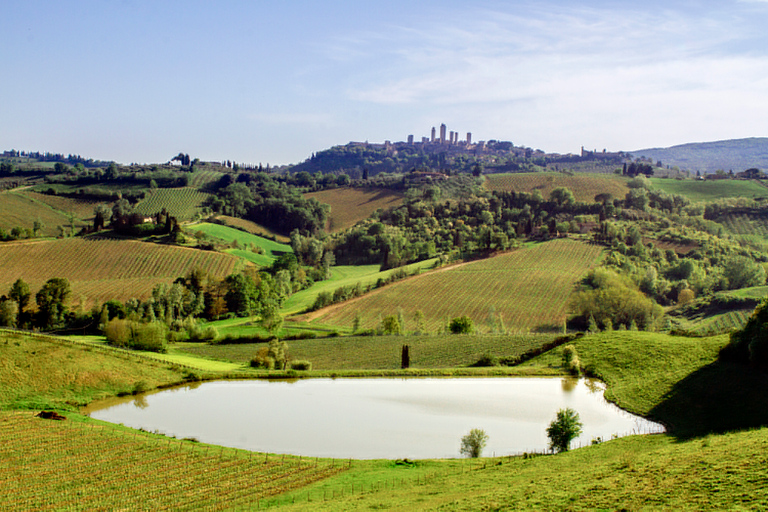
[[388, 418]]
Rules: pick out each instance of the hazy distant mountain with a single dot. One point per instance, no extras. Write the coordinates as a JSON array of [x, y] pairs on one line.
[[736, 155]]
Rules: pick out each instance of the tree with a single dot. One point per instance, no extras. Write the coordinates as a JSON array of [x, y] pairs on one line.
[[20, 294], [461, 325], [473, 443], [564, 429], [51, 302], [391, 325], [562, 196]]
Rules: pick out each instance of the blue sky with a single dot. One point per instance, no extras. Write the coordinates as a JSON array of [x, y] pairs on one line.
[[272, 82]]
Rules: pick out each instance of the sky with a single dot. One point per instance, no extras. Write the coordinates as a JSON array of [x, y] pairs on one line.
[[273, 82]]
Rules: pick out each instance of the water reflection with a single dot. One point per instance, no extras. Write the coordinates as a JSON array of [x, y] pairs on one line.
[[374, 418]]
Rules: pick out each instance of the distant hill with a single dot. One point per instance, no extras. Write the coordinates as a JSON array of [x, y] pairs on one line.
[[707, 157]]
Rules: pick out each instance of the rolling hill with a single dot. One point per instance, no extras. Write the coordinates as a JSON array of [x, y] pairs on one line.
[[707, 157]]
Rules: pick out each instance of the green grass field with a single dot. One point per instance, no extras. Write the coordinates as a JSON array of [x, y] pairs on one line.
[[383, 352], [711, 190], [252, 228], [244, 243], [83, 463], [528, 287]]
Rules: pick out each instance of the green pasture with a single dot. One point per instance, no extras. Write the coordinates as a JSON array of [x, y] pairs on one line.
[[383, 352], [711, 190], [242, 243]]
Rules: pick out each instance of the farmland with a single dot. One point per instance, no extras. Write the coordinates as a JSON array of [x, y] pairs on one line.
[[182, 203], [529, 288], [17, 209], [243, 243], [82, 209], [383, 352], [711, 190], [252, 228], [101, 269], [583, 185], [351, 205]]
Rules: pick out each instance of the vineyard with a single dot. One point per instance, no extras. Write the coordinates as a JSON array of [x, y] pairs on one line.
[[351, 205], [80, 208], [383, 352], [71, 464], [182, 203], [583, 185], [100, 269], [20, 210], [528, 288], [201, 178], [711, 190]]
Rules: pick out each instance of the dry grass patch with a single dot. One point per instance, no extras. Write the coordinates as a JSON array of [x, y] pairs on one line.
[[351, 205]]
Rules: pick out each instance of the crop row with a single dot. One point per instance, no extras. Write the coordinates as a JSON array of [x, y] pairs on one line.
[[528, 288], [745, 225], [105, 269], [583, 185], [182, 203], [47, 465]]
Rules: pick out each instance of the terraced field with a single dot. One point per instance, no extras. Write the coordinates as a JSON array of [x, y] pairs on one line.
[[99, 269], [529, 288], [585, 186], [351, 205], [183, 203]]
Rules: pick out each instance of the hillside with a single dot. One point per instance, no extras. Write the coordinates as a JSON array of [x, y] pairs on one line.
[[585, 186], [707, 157], [100, 270], [527, 289], [351, 205]]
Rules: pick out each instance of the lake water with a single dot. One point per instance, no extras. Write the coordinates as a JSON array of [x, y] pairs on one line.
[[389, 418]]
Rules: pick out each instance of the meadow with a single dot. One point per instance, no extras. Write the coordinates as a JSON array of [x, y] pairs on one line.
[[183, 203], [101, 269], [242, 243], [711, 190], [351, 205], [383, 352], [585, 186], [529, 288], [252, 228]]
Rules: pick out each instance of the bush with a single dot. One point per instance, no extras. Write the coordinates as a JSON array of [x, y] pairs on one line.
[[571, 360], [461, 325], [473, 443], [262, 360], [301, 365], [137, 336], [487, 360]]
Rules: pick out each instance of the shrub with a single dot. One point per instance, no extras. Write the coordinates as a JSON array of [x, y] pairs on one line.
[[487, 360], [301, 365], [263, 360], [137, 336], [571, 360], [473, 443], [461, 325]]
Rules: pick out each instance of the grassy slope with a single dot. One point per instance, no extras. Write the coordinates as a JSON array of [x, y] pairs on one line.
[[17, 209], [528, 287], [38, 373], [253, 228], [383, 352], [351, 205], [583, 185], [229, 235], [346, 275], [710, 190]]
